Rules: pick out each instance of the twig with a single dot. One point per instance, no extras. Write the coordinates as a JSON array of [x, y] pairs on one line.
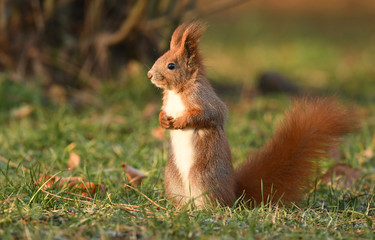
[[105, 40], [79, 195], [144, 195], [129, 208], [38, 15], [160, 200], [92, 17], [127, 25]]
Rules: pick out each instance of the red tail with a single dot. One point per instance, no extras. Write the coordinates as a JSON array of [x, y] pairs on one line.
[[286, 165]]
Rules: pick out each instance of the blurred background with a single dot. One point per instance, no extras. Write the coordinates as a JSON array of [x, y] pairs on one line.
[[65, 46], [74, 71]]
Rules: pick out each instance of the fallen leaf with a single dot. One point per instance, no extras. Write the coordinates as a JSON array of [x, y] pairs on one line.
[[134, 176], [74, 160], [158, 133], [344, 174], [79, 183], [22, 111]]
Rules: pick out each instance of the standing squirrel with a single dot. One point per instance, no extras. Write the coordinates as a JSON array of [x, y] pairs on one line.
[[199, 167]]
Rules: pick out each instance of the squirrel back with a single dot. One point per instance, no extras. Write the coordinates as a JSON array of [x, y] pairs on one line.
[[200, 162]]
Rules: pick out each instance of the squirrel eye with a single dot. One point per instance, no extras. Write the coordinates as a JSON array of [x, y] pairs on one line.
[[171, 66]]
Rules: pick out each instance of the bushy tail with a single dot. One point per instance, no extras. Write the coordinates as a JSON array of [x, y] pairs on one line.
[[286, 165]]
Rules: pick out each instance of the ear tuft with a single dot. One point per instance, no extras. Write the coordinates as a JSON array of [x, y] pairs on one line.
[[185, 41], [187, 33]]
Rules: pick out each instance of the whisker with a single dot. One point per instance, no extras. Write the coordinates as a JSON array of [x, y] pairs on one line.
[[146, 65]]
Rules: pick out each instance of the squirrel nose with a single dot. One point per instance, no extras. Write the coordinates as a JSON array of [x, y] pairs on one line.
[[149, 75]]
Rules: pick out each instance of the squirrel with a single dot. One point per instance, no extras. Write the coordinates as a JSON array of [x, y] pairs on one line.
[[199, 168]]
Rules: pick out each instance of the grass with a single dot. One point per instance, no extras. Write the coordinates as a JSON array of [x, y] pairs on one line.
[[112, 128]]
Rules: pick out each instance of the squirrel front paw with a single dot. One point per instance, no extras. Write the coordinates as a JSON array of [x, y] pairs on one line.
[[179, 123], [165, 121]]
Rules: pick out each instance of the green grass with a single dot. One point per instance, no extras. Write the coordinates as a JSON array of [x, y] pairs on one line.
[[112, 130]]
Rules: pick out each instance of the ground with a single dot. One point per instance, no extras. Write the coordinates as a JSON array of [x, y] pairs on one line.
[[116, 124]]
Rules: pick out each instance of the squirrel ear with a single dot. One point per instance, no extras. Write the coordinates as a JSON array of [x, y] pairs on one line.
[[186, 39], [176, 36]]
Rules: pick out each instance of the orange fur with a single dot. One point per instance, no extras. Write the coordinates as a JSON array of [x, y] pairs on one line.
[[200, 161], [287, 164]]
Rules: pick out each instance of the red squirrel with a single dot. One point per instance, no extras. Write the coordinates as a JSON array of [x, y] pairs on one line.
[[199, 167]]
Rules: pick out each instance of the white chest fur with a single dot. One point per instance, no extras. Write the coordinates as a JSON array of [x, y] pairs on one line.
[[181, 140], [174, 106]]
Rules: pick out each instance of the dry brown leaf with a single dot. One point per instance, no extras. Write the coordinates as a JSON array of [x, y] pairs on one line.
[[345, 175], [150, 110], [48, 181], [134, 176], [22, 111], [74, 160], [158, 133]]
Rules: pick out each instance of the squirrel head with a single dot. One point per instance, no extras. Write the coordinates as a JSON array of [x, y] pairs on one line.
[[181, 63]]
